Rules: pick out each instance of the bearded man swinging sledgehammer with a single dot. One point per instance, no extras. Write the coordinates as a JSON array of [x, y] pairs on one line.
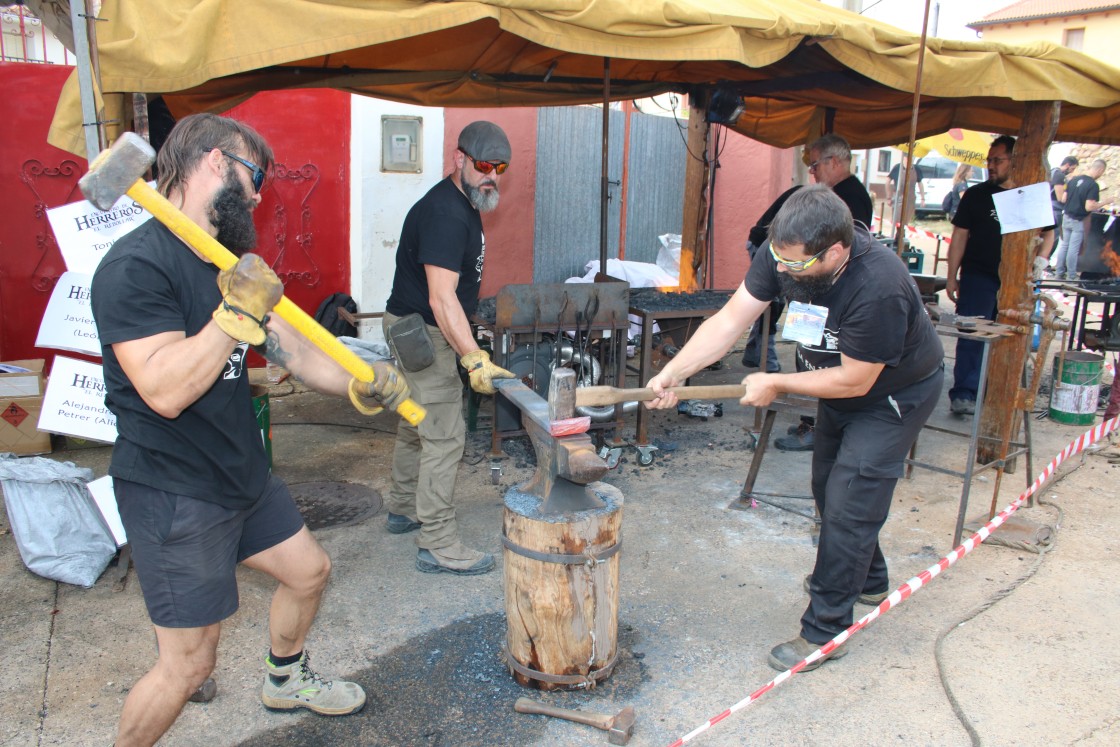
[[869, 352], [191, 477]]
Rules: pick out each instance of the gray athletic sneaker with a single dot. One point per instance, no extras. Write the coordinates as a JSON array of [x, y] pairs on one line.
[[297, 686]]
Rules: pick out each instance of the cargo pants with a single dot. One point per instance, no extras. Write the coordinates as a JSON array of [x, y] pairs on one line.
[[426, 456]]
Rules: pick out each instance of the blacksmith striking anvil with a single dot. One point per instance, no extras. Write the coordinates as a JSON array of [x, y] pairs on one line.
[[565, 463]]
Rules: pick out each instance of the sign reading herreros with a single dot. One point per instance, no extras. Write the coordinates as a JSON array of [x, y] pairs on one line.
[[85, 234], [74, 404]]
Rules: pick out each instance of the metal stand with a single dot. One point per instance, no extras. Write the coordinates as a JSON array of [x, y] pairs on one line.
[[748, 494], [984, 332]]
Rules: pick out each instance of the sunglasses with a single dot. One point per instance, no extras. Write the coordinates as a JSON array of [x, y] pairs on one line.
[[258, 172], [816, 164], [797, 265], [485, 167]]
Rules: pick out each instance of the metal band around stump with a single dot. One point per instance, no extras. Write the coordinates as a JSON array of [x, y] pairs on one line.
[[587, 558], [588, 680]]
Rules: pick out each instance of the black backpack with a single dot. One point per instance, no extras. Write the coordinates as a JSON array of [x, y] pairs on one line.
[[947, 201], [327, 315]]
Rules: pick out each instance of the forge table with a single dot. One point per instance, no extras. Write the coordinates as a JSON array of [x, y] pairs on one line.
[[677, 316]]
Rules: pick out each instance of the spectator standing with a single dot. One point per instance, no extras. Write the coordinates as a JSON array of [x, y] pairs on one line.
[[1083, 196], [1058, 177]]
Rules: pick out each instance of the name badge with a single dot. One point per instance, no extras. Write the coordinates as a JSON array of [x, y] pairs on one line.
[[805, 323]]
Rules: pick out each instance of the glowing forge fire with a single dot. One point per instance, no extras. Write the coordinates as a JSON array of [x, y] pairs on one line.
[[1110, 258]]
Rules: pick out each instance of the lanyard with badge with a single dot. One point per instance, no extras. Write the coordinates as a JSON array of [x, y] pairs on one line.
[[805, 323]]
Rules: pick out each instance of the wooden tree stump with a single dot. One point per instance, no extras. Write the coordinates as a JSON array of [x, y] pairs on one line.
[[561, 587]]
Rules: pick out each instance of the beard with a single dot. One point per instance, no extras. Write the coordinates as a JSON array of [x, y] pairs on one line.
[[231, 213], [483, 200], [804, 290]]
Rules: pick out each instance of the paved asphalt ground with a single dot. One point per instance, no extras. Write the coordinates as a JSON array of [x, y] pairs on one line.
[[705, 592]]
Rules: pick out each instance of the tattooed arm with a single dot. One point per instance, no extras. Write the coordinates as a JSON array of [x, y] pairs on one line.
[[286, 347]]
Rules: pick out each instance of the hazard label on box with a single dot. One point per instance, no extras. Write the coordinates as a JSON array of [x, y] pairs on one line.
[[14, 414]]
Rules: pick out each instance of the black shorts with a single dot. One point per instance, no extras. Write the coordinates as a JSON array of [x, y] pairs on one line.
[[186, 550]]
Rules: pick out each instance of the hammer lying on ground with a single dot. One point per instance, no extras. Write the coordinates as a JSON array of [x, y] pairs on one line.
[[118, 171], [619, 727]]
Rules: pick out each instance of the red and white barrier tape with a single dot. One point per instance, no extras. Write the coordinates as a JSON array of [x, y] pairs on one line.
[[914, 230], [903, 592]]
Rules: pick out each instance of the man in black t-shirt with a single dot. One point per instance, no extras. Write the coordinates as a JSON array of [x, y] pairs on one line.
[[868, 351], [439, 270], [975, 251], [1058, 178], [189, 470], [1083, 196], [830, 164]]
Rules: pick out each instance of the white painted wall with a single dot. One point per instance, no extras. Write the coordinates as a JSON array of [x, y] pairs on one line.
[[379, 201]]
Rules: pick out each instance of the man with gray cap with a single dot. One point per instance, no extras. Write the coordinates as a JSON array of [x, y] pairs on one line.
[[435, 290]]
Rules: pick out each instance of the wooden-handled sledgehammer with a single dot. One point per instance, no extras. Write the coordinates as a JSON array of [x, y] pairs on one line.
[[611, 395], [118, 171]]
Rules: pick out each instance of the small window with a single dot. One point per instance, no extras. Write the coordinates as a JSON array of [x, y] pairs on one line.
[[884, 161], [1074, 39]]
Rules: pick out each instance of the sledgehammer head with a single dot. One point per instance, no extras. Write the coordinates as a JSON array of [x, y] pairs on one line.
[[622, 726], [115, 170]]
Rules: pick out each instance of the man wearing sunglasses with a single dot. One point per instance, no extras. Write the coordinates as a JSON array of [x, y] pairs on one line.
[[868, 351], [190, 474], [439, 271]]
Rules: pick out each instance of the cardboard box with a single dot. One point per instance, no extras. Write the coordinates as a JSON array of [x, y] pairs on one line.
[[22, 384], [19, 418]]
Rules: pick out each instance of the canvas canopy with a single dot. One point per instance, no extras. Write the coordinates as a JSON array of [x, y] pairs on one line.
[[804, 68]]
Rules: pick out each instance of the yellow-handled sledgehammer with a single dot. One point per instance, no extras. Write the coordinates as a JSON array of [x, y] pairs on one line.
[[118, 171]]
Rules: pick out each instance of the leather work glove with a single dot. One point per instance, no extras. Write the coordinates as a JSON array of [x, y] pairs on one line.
[[388, 388], [483, 372], [1041, 265], [249, 291]]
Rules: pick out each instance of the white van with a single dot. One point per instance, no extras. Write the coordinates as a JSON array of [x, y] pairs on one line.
[[937, 178]]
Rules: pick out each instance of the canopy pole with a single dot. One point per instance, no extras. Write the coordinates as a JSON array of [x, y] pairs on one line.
[[604, 179], [90, 124], [695, 179], [904, 174], [1002, 410]]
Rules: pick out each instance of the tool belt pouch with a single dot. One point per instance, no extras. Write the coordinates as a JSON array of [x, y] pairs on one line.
[[412, 343]]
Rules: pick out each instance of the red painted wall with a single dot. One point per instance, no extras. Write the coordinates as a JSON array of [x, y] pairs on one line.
[[509, 229], [750, 177], [303, 221], [34, 176]]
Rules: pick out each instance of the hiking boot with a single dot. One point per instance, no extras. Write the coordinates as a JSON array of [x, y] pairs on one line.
[[801, 439], [786, 655], [864, 598], [457, 559], [297, 686], [962, 406], [401, 524], [205, 692]]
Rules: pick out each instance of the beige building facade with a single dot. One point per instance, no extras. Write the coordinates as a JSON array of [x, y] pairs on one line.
[[1088, 26]]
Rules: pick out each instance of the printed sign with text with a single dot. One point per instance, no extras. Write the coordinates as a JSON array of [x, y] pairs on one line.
[[68, 321], [84, 233], [74, 404]]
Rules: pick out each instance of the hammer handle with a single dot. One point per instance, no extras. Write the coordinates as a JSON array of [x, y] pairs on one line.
[[598, 720], [209, 247], [611, 395]]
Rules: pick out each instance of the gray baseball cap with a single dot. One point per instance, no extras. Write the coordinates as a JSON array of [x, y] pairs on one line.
[[484, 141]]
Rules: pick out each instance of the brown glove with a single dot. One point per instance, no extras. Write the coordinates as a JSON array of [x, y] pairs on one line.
[[249, 291], [483, 372], [388, 388]]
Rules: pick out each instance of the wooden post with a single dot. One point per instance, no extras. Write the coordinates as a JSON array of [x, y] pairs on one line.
[[693, 231], [1001, 415]]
